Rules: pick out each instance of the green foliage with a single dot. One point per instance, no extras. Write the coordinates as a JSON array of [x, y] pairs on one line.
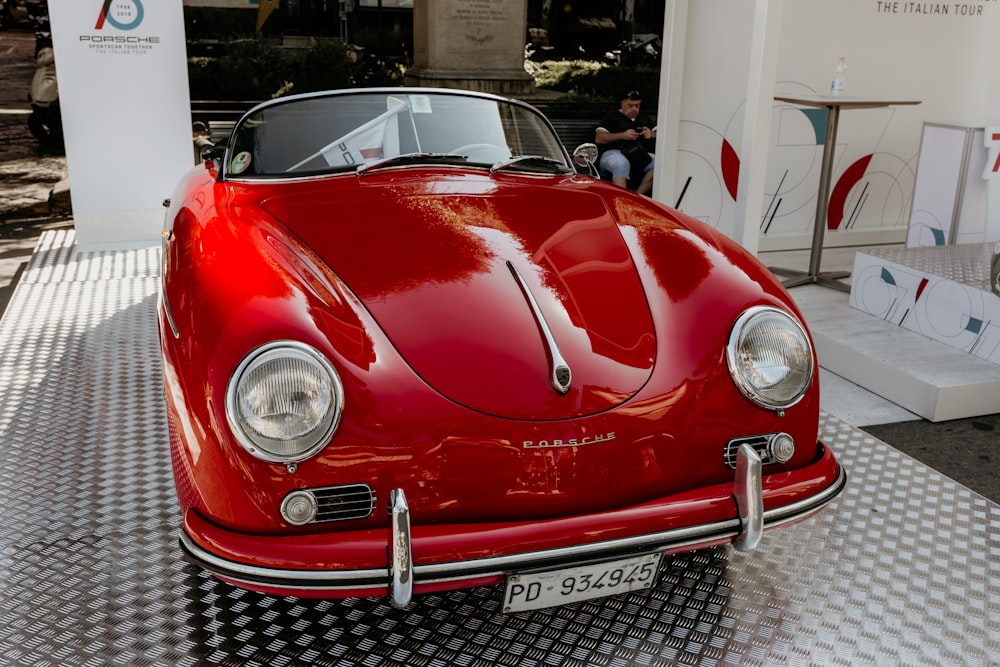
[[259, 69], [325, 66], [374, 71], [251, 69], [561, 74], [588, 81]]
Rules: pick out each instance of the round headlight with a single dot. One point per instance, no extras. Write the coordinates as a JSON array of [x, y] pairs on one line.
[[284, 402], [770, 358]]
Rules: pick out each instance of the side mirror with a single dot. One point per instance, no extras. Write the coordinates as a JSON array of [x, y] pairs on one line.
[[215, 152], [213, 156], [585, 157]]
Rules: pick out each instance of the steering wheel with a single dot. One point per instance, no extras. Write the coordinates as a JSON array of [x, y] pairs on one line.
[[489, 153]]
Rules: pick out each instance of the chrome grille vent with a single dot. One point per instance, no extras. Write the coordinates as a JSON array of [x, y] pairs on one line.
[[343, 503], [762, 444]]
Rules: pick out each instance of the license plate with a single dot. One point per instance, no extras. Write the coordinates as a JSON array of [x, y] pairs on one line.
[[538, 590]]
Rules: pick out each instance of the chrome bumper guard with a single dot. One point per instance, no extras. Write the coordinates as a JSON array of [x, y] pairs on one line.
[[749, 492], [400, 554]]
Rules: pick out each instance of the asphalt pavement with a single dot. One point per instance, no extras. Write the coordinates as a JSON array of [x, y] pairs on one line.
[[33, 198]]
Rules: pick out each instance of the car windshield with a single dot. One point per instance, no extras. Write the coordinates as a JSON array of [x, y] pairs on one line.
[[328, 133]]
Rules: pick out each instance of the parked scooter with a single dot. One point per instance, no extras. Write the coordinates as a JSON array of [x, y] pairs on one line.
[[14, 13], [45, 121]]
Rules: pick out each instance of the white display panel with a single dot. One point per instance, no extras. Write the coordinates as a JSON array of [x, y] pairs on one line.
[[949, 195], [126, 113]]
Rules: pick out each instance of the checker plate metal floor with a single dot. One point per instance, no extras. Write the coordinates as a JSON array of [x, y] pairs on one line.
[[902, 568]]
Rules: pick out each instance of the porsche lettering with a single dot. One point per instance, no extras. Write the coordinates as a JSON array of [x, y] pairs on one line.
[[570, 442]]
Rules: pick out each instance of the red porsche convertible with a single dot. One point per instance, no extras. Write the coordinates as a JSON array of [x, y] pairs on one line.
[[410, 345]]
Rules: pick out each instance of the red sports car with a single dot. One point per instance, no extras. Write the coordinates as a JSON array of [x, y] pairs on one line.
[[410, 345]]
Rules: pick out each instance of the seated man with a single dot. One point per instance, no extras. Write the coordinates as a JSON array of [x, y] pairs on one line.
[[622, 135]]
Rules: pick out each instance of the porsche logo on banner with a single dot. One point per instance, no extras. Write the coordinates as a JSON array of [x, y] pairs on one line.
[[125, 15]]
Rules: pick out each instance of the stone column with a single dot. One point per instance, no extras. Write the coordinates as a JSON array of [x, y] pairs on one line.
[[472, 45]]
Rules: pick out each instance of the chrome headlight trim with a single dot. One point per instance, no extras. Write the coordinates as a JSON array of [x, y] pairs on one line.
[[284, 427], [770, 357]]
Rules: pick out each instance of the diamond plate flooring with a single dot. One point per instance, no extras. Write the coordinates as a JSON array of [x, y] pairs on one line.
[[968, 263], [903, 568]]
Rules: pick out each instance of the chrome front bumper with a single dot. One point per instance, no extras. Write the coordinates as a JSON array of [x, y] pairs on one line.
[[401, 575]]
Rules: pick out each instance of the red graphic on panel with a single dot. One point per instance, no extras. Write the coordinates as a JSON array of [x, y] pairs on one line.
[[850, 178], [730, 163], [730, 168], [996, 163]]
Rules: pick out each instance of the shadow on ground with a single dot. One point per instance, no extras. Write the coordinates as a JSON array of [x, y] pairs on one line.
[[966, 450], [18, 238]]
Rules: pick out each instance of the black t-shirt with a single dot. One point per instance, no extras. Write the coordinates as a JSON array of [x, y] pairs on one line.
[[615, 122]]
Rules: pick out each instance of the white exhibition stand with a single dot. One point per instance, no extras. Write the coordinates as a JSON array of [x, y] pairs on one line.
[[126, 113]]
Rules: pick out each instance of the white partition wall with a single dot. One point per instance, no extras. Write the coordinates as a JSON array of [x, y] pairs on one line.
[[941, 54], [126, 113]]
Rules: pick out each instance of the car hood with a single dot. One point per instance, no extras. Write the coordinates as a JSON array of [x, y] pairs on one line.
[[484, 289]]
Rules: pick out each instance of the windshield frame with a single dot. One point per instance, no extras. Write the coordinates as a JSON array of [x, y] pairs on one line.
[[227, 173]]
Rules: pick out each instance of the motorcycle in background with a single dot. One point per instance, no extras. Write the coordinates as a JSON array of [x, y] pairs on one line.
[[45, 121]]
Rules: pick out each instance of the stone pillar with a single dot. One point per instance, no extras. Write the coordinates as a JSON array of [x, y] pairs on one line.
[[472, 45]]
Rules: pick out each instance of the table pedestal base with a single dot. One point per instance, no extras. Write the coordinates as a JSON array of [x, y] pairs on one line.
[[826, 279]]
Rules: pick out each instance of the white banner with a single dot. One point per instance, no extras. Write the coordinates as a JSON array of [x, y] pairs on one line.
[[126, 113]]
